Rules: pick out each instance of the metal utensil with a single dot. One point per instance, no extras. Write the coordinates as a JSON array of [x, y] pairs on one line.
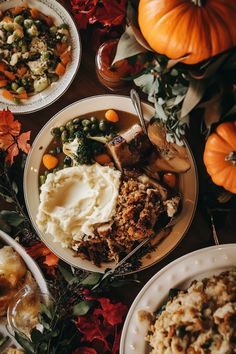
[[140, 245], [138, 108], [213, 228]]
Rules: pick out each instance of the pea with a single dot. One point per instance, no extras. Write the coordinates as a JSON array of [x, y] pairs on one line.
[[28, 23], [86, 129], [19, 19], [56, 131], [62, 128], [14, 86], [94, 127], [103, 126], [86, 123], [93, 120], [42, 179], [68, 125], [76, 121], [53, 29], [64, 136], [64, 39]]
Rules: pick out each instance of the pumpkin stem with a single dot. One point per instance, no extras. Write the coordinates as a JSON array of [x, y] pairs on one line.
[[231, 157], [197, 2]]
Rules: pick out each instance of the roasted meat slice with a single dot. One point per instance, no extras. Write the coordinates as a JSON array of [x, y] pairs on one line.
[[129, 148]]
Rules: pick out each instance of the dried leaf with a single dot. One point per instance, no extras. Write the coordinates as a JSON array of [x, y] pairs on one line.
[[127, 46], [8, 124], [22, 142], [193, 96]]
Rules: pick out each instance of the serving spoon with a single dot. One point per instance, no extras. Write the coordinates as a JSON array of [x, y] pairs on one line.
[[138, 108]]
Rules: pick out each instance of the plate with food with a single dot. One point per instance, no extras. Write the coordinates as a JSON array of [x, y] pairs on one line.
[[17, 271], [40, 53], [95, 185], [187, 307]]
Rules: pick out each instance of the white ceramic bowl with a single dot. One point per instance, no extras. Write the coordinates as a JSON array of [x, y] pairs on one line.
[[178, 274], [55, 90], [188, 181]]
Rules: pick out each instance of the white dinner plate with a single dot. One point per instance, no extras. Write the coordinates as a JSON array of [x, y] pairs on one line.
[[32, 267], [55, 90], [188, 181], [178, 274]]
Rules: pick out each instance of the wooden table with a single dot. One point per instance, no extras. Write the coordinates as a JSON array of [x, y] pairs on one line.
[[199, 235]]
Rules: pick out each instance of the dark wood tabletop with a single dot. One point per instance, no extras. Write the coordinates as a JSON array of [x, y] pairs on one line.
[[199, 234]]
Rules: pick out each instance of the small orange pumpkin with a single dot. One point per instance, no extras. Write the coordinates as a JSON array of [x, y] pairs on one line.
[[200, 29], [220, 156]]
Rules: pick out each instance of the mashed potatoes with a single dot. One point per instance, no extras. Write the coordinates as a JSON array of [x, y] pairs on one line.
[[73, 201]]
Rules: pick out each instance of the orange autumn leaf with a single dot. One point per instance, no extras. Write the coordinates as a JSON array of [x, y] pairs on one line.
[[11, 153], [40, 250], [22, 142], [8, 124]]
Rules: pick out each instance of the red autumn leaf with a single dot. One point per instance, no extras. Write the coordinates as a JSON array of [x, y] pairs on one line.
[[113, 314], [116, 343], [8, 124], [92, 329], [85, 350], [83, 10], [22, 142], [112, 13], [11, 153]]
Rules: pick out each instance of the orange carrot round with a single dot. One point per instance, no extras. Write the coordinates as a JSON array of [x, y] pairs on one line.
[[111, 116], [60, 69], [8, 95], [3, 83], [102, 159], [50, 161], [170, 179]]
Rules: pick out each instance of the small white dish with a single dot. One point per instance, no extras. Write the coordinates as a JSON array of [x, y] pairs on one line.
[[32, 267], [188, 181], [55, 90], [178, 274]]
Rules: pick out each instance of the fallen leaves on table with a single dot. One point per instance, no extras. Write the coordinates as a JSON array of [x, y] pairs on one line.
[[11, 141], [39, 250], [101, 327]]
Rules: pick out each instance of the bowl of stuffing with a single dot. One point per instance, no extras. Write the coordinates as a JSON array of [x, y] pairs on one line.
[[40, 54]]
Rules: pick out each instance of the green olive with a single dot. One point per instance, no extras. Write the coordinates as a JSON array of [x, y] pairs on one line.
[[86, 123], [68, 125], [62, 128]]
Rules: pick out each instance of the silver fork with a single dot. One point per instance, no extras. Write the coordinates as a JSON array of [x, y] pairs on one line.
[[138, 107]]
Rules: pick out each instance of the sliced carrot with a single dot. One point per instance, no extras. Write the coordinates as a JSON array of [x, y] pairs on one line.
[[35, 14], [3, 83], [7, 19], [112, 116], [3, 67], [8, 95], [170, 179], [22, 95], [61, 48], [22, 70], [47, 19], [50, 161], [102, 159], [17, 10], [60, 69], [10, 75], [65, 57]]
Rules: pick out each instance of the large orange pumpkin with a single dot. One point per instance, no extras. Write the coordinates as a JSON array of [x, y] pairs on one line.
[[197, 28], [220, 156]]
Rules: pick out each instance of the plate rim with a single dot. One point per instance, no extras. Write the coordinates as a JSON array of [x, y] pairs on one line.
[[152, 280], [36, 272], [48, 123], [40, 108]]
